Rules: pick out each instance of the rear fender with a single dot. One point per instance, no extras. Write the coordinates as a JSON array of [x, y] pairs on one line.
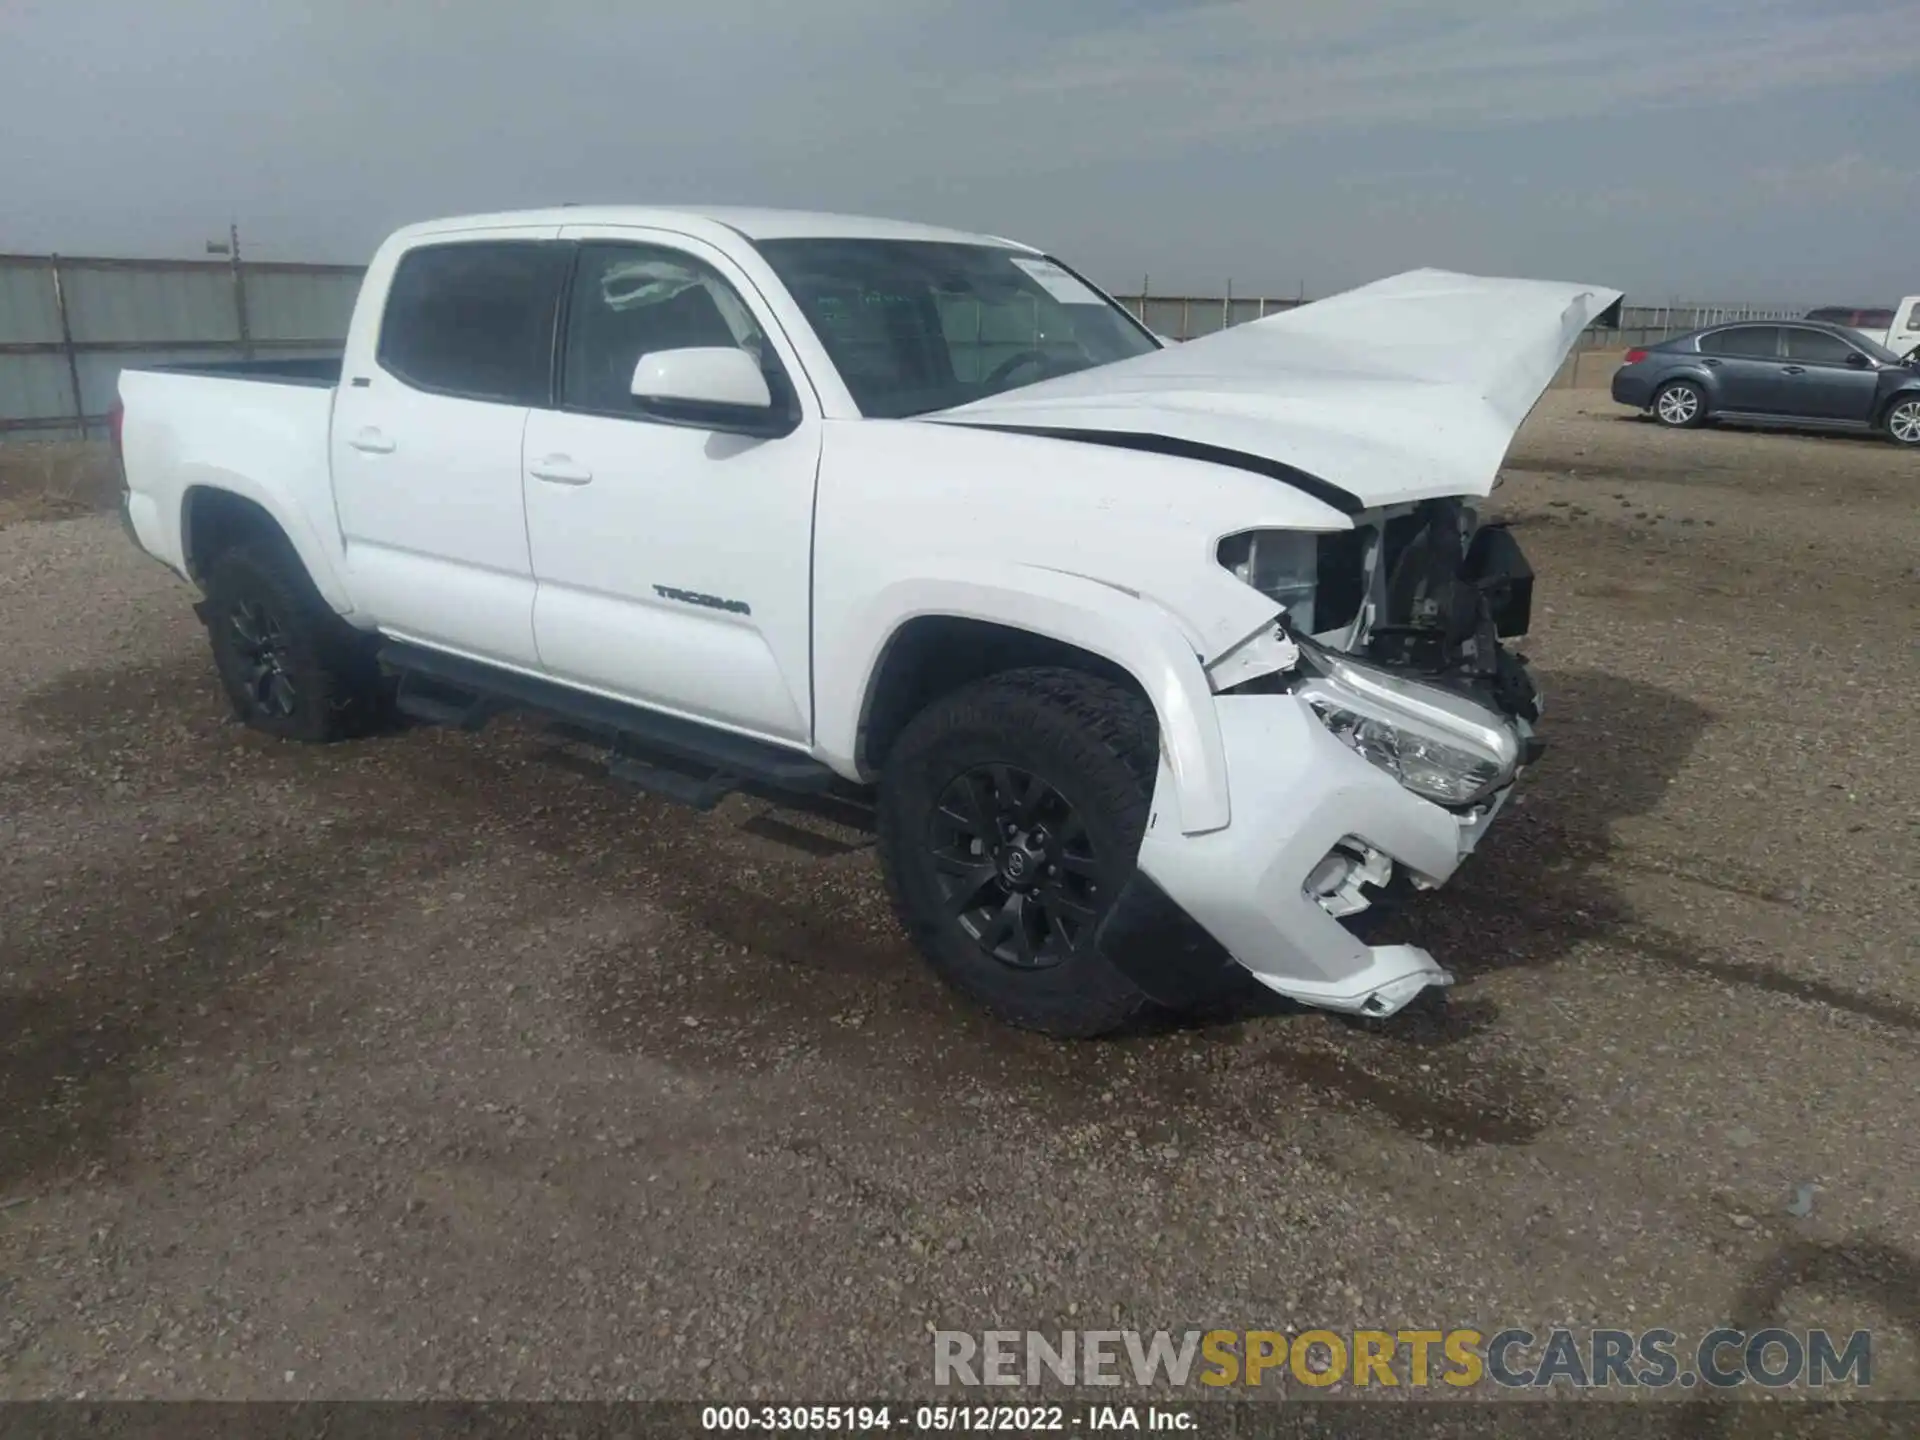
[[1695, 374], [308, 544]]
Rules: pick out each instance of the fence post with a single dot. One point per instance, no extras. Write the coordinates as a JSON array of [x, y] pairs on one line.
[[66, 344], [239, 292], [1226, 307]]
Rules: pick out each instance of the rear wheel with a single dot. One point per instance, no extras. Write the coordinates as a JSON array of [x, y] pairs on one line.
[[1903, 420], [1680, 404], [289, 665], [1010, 817]]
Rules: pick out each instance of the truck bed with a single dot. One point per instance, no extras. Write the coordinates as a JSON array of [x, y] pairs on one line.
[[257, 430], [320, 370]]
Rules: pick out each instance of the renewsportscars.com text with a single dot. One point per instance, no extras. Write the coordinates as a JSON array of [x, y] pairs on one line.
[[1512, 1358]]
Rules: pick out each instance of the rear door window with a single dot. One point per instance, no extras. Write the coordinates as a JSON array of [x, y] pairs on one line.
[[1752, 341], [475, 319]]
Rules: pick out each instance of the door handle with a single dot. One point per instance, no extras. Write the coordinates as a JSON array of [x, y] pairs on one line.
[[1711, 364], [372, 442], [1793, 369], [560, 470]]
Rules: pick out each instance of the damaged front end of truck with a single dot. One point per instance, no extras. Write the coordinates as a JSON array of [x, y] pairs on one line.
[[1426, 589], [1395, 644], [1375, 726]]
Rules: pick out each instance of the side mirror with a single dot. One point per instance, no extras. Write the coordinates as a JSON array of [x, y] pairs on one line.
[[718, 386], [1857, 360]]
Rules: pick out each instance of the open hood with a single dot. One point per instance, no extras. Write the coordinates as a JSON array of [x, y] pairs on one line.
[[1405, 389]]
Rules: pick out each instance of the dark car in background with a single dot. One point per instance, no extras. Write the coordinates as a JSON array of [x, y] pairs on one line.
[[1853, 319], [1782, 372]]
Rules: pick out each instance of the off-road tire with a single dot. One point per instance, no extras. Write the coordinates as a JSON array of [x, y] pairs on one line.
[[1096, 744], [334, 687]]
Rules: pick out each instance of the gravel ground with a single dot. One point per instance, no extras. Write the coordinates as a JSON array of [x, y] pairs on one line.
[[436, 1065]]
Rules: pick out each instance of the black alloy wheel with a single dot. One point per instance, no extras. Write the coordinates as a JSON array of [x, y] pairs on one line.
[[260, 644], [1010, 815], [290, 666], [1017, 866]]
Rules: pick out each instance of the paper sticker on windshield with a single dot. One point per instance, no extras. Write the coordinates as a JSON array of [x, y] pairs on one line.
[[1058, 283]]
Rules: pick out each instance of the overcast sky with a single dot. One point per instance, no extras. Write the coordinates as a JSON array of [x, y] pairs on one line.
[[1714, 149]]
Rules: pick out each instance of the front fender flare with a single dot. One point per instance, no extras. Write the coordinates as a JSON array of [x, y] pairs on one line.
[[1131, 631]]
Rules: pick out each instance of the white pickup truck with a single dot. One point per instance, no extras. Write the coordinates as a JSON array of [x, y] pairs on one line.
[[1154, 660], [1897, 329]]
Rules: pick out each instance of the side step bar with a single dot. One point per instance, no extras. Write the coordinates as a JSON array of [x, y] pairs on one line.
[[645, 748]]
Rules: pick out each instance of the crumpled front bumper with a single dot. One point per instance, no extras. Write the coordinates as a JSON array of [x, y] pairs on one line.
[[1239, 895]]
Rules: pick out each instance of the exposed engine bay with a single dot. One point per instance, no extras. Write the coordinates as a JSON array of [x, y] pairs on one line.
[[1426, 590], [1453, 592]]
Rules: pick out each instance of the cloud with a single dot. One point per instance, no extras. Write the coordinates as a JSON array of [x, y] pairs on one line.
[[1234, 70], [1331, 139], [1851, 178]]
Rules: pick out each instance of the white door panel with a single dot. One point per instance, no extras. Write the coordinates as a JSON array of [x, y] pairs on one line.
[[427, 484], [679, 575], [434, 528], [444, 602], [673, 561]]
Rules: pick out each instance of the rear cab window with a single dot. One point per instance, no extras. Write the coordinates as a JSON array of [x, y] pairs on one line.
[[475, 319]]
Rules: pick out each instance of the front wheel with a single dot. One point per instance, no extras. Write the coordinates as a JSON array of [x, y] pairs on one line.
[[1010, 817], [1903, 421], [1680, 405]]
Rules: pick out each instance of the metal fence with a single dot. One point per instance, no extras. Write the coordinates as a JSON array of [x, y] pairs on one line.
[[68, 324], [1186, 317]]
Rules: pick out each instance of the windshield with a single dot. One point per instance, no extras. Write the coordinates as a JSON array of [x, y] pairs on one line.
[[915, 326]]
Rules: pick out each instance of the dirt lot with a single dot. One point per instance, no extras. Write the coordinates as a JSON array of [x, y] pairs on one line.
[[432, 1065]]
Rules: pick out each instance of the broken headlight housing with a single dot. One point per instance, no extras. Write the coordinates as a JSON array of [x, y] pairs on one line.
[[1441, 746], [1283, 565]]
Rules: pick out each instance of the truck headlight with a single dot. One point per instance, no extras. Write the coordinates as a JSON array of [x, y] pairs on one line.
[[1441, 746], [1282, 565]]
